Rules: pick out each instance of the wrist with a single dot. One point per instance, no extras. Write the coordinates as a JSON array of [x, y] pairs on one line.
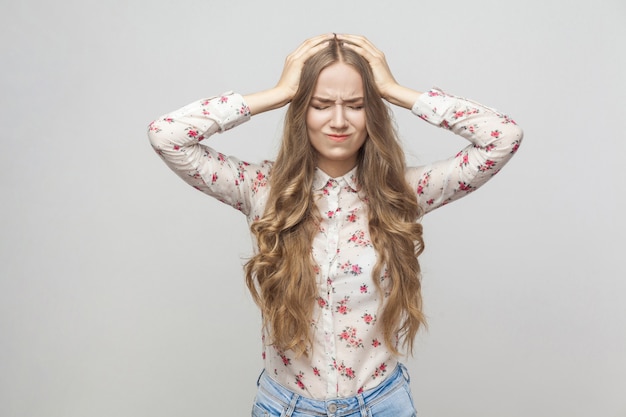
[[401, 96], [271, 99]]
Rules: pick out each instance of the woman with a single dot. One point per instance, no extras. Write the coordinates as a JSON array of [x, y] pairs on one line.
[[335, 219]]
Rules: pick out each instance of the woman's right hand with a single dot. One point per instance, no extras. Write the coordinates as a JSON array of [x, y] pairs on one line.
[[289, 80]]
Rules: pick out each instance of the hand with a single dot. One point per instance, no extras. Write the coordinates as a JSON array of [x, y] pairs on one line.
[[290, 77], [387, 85], [289, 80]]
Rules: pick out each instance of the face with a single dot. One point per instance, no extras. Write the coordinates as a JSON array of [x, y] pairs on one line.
[[335, 119]]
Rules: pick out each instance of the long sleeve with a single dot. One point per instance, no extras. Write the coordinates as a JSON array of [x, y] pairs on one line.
[[494, 140], [176, 138]]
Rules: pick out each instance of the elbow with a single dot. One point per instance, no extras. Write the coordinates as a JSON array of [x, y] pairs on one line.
[[154, 136], [518, 135], [514, 135]]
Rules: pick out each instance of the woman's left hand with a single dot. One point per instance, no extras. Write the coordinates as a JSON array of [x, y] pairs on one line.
[[387, 85]]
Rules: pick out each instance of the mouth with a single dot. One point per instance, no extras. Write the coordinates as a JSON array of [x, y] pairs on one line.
[[338, 138]]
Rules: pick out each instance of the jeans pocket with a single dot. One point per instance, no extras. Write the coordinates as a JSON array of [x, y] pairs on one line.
[[399, 403], [259, 410]]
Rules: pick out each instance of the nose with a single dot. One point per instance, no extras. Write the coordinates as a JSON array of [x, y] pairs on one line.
[[339, 120]]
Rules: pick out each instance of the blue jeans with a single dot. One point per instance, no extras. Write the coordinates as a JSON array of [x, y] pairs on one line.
[[392, 398]]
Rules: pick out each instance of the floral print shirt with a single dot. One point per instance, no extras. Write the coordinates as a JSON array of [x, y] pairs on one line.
[[348, 353]]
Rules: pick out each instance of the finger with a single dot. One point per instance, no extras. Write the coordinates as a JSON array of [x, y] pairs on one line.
[[362, 46], [311, 45]]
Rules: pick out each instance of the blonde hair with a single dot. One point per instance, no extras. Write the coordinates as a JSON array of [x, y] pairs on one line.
[[281, 275]]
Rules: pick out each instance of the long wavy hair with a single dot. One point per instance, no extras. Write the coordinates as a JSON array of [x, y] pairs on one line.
[[281, 276]]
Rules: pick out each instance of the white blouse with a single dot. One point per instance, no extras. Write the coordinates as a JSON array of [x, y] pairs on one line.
[[348, 353]]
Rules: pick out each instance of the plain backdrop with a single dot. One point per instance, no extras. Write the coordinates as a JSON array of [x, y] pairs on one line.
[[121, 288]]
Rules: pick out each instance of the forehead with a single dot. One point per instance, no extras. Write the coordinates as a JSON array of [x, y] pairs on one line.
[[339, 81]]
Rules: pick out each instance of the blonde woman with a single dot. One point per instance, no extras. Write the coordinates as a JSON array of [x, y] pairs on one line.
[[335, 219]]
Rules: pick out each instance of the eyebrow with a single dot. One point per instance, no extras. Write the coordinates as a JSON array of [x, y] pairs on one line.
[[329, 100]]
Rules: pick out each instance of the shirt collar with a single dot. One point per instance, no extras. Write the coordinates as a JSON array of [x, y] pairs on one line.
[[349, 178]]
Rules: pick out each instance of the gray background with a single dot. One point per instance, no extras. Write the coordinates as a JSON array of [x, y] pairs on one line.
[[121, 290]]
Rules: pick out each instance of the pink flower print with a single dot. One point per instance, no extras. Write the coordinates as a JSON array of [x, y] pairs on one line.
[[330, 184], [343, 308], [376, 343], [316, 371], [368, 318], [352, 217], [176, 147], [345, 371], [495, 134], [385, 275], [363, 289], [430, 202], [260, 181], [348, 268], [358, 238], [192, 133], [152, 127], [472, 129], [244, 110], [345, 334], [379, 371], [458, 114], [214, 178], [285, 359], [464, 160], [223, 100], [508, 120], [434, 93], [490, 148], [321, 302], [423, 183], [330, 214], [349, 335], [489, 164], [516, 146], [463, 186], [299, 382]]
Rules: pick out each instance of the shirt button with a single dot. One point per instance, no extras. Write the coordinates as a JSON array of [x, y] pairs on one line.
[[332, 408]]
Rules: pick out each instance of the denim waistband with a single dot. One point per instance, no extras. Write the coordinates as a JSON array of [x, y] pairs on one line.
[[337, 407]]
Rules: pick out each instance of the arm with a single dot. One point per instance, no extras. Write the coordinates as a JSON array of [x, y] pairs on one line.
[[176, 136], [494, 137]]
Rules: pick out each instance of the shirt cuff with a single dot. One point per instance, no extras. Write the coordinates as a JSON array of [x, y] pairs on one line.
[[227, 110], [433, 105]]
